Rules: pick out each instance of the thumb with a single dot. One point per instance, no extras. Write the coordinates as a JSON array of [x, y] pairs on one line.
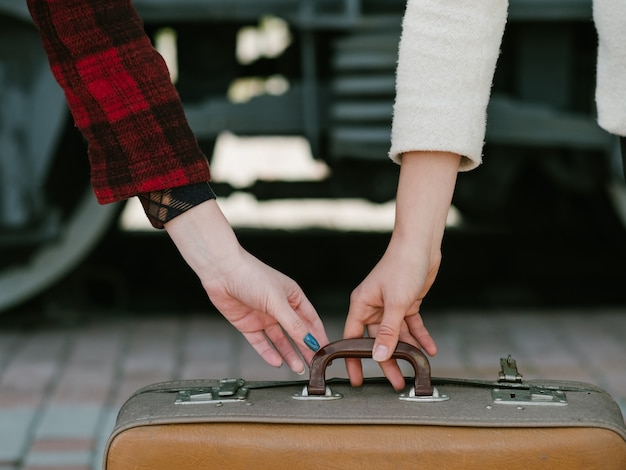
[[387, 335]]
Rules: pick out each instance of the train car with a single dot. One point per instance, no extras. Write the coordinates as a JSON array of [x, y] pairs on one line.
[[328, 76]]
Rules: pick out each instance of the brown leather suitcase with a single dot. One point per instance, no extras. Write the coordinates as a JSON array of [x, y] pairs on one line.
[[326, 424]]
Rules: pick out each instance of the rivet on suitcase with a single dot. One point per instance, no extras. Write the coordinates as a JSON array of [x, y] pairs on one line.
[[437, 423]]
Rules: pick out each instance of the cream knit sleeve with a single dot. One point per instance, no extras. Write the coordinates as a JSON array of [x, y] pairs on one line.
[[610, 20], [447, 57]]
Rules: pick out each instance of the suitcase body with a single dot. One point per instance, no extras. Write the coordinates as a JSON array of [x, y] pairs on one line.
[[320, 424]]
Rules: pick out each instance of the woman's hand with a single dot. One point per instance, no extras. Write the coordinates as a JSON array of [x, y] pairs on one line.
[[387, 303], [266, 306]]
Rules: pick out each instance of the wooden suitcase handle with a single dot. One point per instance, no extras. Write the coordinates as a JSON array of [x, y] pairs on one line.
[[362, 348]]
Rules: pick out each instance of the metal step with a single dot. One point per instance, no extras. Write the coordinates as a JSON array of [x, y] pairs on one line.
[[372, 85], [359, 111]]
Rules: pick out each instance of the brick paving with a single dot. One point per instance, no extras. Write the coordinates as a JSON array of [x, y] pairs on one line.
[[61, 386]]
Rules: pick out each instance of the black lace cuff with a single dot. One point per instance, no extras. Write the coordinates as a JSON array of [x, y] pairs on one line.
[[162, 206]]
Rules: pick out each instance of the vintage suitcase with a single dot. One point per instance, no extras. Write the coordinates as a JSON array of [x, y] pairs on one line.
[[326, 424]]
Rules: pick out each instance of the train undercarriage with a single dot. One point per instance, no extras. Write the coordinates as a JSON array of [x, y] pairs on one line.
[[323, 70]]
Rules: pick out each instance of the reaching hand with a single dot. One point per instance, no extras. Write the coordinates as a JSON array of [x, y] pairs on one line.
[[387, 303], [257, 300], [266, 306]]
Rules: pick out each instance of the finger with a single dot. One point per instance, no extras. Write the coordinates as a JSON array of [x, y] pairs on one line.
[[297, 329], [355, 372], [388, 333], [354, 328], [358, 314], [390, 368], [418, 331], [307, 312], [309, 315], [262, 346], [285, 348], [393, 373]]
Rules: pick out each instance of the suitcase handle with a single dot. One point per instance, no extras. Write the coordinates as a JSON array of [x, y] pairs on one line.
[[362, 348]]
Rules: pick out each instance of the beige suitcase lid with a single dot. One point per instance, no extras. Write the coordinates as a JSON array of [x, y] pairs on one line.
[[508, 402]]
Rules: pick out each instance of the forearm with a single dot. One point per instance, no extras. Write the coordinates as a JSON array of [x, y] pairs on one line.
[[610, 19], [447, 58], [424, 195], [121, 97]]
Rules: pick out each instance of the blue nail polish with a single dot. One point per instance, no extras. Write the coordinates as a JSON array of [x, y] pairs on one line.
[[311, 342]]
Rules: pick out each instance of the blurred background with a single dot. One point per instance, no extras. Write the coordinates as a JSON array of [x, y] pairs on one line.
[[292, 101]]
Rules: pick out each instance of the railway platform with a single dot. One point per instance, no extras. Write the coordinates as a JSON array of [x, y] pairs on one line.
[[61, 384]]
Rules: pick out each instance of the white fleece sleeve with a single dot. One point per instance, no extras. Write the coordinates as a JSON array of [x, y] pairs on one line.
[[610, 20], [446, 62]]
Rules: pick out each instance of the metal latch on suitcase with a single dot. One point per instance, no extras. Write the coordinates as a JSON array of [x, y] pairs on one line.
[[519, 396], [508, 371], [228, 391], [530, 396]]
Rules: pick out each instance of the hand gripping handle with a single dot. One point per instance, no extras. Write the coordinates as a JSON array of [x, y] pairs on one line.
[[362, 348]]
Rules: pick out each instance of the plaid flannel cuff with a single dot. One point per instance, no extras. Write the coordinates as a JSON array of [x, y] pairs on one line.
[[163, 205]]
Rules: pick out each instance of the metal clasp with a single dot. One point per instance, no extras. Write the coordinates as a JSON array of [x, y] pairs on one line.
[[531, 396], [508, 371], [228, 391]]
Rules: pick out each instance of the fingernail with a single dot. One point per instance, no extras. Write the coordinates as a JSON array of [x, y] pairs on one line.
[[311, 342], [302, 372], [380, 353]]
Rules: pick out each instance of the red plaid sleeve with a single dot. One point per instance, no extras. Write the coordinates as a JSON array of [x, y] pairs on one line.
[[119, 92]]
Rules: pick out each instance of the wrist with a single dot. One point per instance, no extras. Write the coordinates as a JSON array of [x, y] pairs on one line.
[[204, 237]]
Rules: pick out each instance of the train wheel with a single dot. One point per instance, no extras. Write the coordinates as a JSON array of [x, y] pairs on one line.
[[50, 262], [49, 218]]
